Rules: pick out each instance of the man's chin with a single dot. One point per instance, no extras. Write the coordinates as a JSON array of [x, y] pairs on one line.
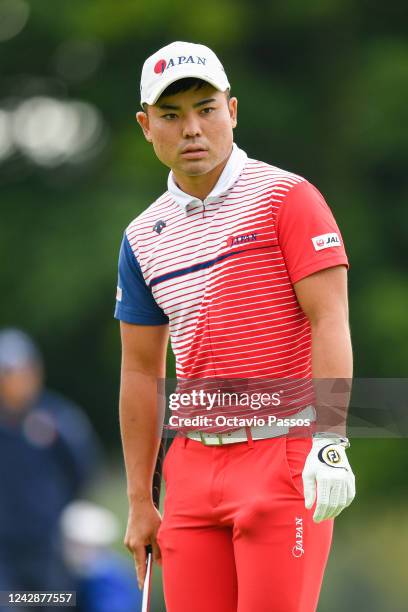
[[196, 167]]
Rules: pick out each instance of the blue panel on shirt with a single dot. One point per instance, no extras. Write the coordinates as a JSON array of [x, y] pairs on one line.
[[137, 304]]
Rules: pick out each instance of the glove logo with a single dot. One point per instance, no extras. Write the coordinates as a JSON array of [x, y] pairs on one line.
[[330, 456]]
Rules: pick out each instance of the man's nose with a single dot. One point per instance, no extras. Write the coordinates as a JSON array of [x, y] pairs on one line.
[[191, 126]]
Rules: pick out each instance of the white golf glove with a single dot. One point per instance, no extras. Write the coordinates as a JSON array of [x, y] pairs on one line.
[[328, 474]]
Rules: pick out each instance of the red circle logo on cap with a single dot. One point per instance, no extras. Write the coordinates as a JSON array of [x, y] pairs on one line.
[[160, 66]]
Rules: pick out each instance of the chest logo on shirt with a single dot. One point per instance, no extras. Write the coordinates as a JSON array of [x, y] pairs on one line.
[[325, 241], [159, 226], [241, 239]]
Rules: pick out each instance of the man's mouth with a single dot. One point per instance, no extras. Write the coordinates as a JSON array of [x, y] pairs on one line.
[[194, 152]]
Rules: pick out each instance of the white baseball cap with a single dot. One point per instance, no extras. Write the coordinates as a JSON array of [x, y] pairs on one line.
[[84, 522], [17, 350], [180, 60]]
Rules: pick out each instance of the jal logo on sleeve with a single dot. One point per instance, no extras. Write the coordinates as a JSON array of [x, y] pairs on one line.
[[326, 241]]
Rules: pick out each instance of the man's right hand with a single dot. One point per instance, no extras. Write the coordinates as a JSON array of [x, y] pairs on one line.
[[143, 524]]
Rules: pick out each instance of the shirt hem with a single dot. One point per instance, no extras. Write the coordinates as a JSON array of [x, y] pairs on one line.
[[322, 264], [129, 317]]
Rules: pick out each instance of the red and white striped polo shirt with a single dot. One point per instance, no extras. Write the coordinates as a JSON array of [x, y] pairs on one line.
[[221, 273]]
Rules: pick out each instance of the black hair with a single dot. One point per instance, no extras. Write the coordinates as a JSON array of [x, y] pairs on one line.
[[184, 85]]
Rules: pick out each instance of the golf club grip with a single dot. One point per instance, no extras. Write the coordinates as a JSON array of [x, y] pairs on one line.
[[157, 476], [156, 487], [157, 479]]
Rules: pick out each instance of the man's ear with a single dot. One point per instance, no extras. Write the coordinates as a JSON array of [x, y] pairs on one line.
[[233, 110], [143, 120]]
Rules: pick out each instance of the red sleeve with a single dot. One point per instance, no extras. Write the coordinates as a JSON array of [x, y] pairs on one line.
[[307, 233]]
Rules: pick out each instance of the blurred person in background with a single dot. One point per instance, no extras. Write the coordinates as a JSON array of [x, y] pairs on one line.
[[105, 581], [48, 454]]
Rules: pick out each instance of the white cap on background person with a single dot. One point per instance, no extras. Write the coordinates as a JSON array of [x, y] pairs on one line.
[[17, 350], [88, 530], [180, 60], [88, 523]]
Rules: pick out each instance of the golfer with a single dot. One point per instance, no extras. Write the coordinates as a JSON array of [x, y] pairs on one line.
[[243, 266]]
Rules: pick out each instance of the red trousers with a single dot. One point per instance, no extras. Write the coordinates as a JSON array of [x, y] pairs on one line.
[[236, 536]]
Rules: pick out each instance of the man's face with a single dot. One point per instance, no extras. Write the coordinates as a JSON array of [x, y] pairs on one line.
[[20, 386], [192, 131]]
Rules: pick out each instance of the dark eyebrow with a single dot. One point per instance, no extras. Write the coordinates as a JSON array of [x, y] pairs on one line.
[[196, 105], [168, 107], [202, 102]]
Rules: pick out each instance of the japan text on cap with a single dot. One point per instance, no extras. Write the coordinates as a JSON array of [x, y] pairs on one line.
[[180, 60]]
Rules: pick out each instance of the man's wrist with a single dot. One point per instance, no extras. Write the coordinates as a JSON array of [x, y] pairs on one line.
[[140, 497], [331, 435]]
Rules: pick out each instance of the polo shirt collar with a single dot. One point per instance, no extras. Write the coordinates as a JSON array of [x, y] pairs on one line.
[[229, 175]]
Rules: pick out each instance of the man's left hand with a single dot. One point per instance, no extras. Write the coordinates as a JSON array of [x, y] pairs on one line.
[[327, 474]]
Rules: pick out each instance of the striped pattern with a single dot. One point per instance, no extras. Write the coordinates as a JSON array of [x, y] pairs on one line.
[[232, 309]]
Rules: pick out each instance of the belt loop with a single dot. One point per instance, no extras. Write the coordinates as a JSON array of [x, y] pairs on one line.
[[249, 437], [184, 440]]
